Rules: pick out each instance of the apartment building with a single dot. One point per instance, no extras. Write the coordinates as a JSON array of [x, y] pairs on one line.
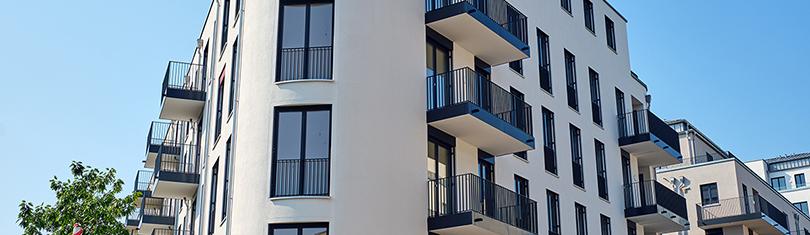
[[726, 196], [786, 175], [408, 117]]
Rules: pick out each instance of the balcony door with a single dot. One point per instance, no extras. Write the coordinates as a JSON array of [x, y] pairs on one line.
[[305, 40], [440, 170], [437, 68], [486, 170], [482, 77]]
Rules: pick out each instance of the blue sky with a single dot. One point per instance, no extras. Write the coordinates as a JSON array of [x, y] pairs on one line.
[[81, 79]]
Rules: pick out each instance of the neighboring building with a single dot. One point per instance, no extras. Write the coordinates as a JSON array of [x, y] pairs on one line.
[[787, 175], [724, 195], [408, 117]]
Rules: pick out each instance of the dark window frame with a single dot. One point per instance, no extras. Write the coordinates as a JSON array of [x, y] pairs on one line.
[[801, 206], [226, 178], [544, 61], [571, 80], [604, 222], [299, 226], [781, 181], [566, 5], [549, 141], [234, 75], [581, 218], [225, 24], [517, 66], [218, 116], [212, 207], [577, 164], [709, 194], [596, 98], [610, 33], [307, 45], [590, 23], [799, 180], [274, 159], [601, 169], [553, 206]]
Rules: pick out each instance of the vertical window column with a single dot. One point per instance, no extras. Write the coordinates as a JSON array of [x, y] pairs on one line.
[[549, 142]]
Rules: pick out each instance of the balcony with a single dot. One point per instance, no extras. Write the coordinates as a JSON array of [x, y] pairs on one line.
[[142, 180], [133, 220], [158, 213], [183, 91], [468, 204], [166, 231], [656, 207], [468, 106], [163, 137], [492, 30], [176, 176], [650, 139], [753, 211], [296, 177]]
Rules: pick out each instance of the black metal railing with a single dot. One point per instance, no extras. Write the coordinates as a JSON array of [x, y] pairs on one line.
[[651, 193], [500, 11], [470, 193], [185, 162], [643, 121], [167, 133], [689, 161], [168, 231], [185, 80], [160, 207], [305, 63], [467, 85], [133, 216], [741, 206], [296, 177], [142, 180]]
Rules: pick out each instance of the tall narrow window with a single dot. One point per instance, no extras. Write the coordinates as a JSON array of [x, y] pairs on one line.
[[553, 200], [544, 58], [305, 45], [601, 169], [581, 219], [218, 121], [571, 80], [708, 194], [610, 33], [576, 156], [299, 229], [605, 222], [799, 180], [631, 228], [517, 66], [522, 202], [596, 98], [301, 151], [212, 208], [226, 182], [519, 114], [620, 106], [225, 24], [549, 143], [234, 74], [588, 7], [566, 5], [204, 66]]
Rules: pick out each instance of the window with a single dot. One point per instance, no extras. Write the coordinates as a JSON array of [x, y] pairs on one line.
[[571, 80], [605, 222], [212, 208], [779, 183], [522, 202], [714, 231], [301, 142], [799, 180], [234, 74], [708, 194], [582, 219], [802, 206], [305, 45], [205, 65], [225, 25], [226, 183], [596, 98], [620, 108], [553, 200], [299, 229], [517, 66], [545, 60], [519, 113], [549, 143], [610, 33], [588, 7], [631, 228], [566, 5], [523, 155], [218, 121], [521, 186], [601, 169], [576, 155]]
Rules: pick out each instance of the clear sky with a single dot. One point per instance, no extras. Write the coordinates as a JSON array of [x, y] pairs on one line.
[[81, 79]]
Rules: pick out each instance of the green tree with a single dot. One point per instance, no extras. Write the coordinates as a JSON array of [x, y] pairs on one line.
[[88, 199]]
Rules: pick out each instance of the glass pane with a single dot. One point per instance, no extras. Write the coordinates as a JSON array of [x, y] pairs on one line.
[[294, 25], [441, 61], [317, 145], [431, 161], [315, 231], [320, 25], [285, 231], [444, 162], [289, 135], [431, 68]]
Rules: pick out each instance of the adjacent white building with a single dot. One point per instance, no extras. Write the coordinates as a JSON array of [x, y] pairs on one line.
[[786, 174], [408, 117]]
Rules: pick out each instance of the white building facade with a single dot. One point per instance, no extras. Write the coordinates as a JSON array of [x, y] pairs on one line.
[[786, 174], [408, 117]]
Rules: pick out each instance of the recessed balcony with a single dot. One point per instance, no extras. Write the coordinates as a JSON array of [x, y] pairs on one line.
[[142, 180], [163, 137], [176, 176], [754, 212], [158, 213], [650, 139], [468, 106], [492, 30], [183, 91], [469, 205], [656, 207]]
